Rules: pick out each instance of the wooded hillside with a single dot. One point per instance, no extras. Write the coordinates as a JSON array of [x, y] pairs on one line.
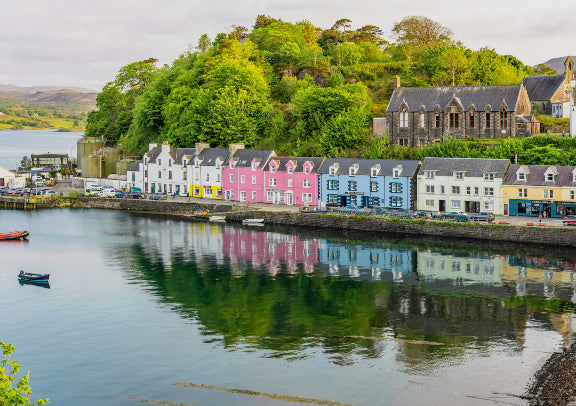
[[293, 87]]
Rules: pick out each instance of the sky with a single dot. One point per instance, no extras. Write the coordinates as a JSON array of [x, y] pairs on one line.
[[83, 43]]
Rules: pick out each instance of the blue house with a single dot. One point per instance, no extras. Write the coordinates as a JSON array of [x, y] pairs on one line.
[[378, 183]]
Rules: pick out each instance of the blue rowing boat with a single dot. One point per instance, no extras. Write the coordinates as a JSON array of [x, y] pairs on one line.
[[33, 277]]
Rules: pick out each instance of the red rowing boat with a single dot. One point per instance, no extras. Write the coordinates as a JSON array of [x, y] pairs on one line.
[[14, 235]]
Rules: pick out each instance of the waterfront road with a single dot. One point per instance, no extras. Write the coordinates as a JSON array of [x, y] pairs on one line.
[[64, 189]]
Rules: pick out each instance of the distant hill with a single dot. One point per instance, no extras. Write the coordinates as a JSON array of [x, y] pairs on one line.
[[558, 63], [35, 89], [48, 98]]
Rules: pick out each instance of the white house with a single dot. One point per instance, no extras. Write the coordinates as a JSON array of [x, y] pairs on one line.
[[469, 185], [162, 169], [205, 171]]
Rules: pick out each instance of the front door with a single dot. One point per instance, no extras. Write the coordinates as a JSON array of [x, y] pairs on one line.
[[442, 205], [289, 199], [505, 209]]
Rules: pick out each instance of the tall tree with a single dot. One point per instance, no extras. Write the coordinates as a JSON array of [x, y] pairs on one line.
[[420, 32]]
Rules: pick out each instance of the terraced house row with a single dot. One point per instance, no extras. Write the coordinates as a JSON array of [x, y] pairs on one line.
[[436, 184]]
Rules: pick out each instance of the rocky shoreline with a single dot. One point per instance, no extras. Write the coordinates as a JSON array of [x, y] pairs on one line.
[[555, 383]]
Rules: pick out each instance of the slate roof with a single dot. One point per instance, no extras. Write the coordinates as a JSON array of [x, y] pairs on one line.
[[208, 156], [135, 167], [536, 177], [542, 87], [245, 157], [153, 154], [300, 161], [365, 166], [474, 167], [181, 152], [478, 96]]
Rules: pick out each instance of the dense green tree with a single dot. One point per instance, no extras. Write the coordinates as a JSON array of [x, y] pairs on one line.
[[14, 393]]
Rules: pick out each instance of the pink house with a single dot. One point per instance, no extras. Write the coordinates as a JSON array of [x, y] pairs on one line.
[[242, 175], [292, 181]]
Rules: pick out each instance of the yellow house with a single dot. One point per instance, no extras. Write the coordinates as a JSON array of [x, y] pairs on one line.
[[531, 190]]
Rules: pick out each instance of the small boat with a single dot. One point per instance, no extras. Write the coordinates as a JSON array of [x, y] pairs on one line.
[[217, 218], [253, 221], [33, 277], [14, 235]]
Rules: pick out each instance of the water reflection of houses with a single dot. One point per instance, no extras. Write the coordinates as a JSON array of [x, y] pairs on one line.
[[366, 261], [274, 252], [462, 267], [536, 276]]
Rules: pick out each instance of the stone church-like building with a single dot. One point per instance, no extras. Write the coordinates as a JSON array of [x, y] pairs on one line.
[[418, 116], [551, 94]]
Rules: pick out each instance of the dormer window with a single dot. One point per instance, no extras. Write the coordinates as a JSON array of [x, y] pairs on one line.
[[574, 176], [196, 163], [374, 172], [396, 173], [272, 168], [306, 169], [254, 166], [333, 169], [429, 174], [183, 162], [290, 169], [160, 162], [459, 175], [488, 176], [549, 177], [520, 176], [169, 162]]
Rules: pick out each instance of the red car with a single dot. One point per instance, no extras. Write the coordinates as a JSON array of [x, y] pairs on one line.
[[569, 221]]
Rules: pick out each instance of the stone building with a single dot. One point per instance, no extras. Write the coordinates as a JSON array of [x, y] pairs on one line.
[[418, 116], [551, 94]]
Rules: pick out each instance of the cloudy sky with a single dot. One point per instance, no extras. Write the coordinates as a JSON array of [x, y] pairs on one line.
[[84, 43]]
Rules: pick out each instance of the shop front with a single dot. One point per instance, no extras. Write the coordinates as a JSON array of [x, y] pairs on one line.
[[547, 208]]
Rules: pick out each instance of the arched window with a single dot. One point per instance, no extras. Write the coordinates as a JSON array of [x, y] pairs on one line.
[[503, 119], [403, 118]]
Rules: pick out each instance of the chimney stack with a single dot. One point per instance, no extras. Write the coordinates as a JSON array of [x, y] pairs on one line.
[[396, 82], [200, 146], [233, 148]]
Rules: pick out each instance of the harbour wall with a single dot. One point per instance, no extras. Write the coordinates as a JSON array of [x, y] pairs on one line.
[[539, 235]]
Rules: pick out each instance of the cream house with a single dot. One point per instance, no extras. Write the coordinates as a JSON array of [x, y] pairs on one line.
[[468, 185]]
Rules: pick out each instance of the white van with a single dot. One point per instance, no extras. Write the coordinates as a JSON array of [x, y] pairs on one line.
[[107, 191]]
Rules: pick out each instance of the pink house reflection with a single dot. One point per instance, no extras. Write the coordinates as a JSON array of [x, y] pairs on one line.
[[271, 251]]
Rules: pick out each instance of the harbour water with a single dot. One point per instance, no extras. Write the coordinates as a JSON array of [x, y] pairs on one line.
[[143, 308], [15, 144]]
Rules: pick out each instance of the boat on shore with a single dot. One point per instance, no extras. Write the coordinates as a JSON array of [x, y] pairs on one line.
[[14, 235], [253, 222], [217, 218], [33, 277]]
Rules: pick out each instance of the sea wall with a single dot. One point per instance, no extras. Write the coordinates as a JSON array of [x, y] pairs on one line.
[[155, 206], [541, 235]]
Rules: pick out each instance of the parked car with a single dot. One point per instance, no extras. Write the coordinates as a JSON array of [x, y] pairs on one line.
[[136, 195], [569, 220], [90, 192], [157, 196], [121, 195], [482, 216]]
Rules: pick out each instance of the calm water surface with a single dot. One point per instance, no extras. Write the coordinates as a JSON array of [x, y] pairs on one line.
[[136, 304], [15, 144]]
